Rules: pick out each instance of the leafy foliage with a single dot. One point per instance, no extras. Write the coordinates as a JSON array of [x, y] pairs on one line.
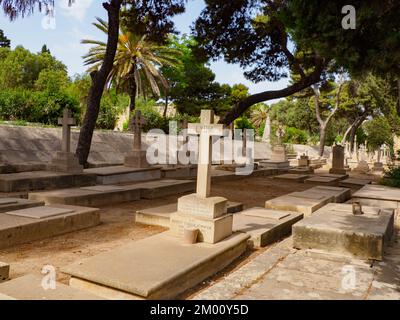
[[4, 41]]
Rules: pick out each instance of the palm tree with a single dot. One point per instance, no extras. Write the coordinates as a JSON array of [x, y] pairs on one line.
[[137, 62], [259, 115]]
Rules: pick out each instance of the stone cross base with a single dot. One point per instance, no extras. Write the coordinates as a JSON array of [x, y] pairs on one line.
[[338, 170], [278, 154], [66, 162], [137, 159], [378, 166], [362, 167], [304, 161], [208, 215]]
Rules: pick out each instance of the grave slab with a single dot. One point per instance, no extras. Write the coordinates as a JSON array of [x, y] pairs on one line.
[[302, 170], [10, 204], [122, 174], [109, 194], [29, 287], [179, 172], [265, 226], [165, 187], [339, 176], [292, 177], [354, 182], [4, 271], [335, 229], [43, 180], [341, 194], [158, 267], [305, 204], [378, 196], [329, 181], [40, 212], [160, 216], [17, 230]]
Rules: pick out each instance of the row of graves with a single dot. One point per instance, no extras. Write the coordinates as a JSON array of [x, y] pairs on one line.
[[205, 233]]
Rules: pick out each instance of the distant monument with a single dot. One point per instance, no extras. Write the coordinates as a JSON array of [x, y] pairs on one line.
[[278, 158], [65, 160]]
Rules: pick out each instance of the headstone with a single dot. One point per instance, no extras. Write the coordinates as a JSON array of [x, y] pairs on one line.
[[362, 166], [199, 210], [278, 158], [65, 160], [378, 165], [304, 161], [137, 159], [338, 160]]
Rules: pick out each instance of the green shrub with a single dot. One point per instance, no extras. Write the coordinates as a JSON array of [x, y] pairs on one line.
[[295, 136], [392, 177], [243, 123]]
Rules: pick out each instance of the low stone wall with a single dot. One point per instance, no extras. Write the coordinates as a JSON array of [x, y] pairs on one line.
[[38, 145]]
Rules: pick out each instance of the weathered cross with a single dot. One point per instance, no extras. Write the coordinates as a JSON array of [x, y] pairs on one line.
[[206, 129], [137, 122], [66, 121]]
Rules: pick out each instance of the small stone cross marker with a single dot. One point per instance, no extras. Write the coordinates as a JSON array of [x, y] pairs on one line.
[[206, 129], [66, 121], [137, 122]]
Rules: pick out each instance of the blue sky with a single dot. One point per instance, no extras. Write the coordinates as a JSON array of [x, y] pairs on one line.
[[71, 24]]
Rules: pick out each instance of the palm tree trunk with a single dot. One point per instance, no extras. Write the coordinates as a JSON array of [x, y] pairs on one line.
[[166, 103], [99, 79]]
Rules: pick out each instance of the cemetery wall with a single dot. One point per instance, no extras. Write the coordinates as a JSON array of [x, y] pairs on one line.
[[21, 144]]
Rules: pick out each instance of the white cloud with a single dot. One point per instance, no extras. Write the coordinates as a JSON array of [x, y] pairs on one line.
[[77, 10]]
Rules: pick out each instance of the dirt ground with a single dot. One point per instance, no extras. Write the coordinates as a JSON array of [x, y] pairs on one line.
[[118, 226]]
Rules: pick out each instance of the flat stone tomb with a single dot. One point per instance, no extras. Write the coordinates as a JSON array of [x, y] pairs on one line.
[[40, 212], [30, 287], [299, 202], [292, 177], [335, 229], [44, 180], [109, 194], [265, 226], [340, 194], [354, 182], [329, 181], [9, 204], [122, 174], [302, 170], [378, 196], [340, 176], [38, 223], [160, 216], [158, 267]]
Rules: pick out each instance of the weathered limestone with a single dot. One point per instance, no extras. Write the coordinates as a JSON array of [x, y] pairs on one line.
[[160, 216], [66, 161], [334, 228], [4, 271], [329, 181], [338, 160], [178, 172], [292, 177], [199, 210], [378, 196], [341, 194], [123, 174], [336, 176], [378, 166], [302, 170], [137, 158], [265, 226], [16, 229], [299, 202], [354, 182], [30, 287], [44, 180], [304, 161], [158, 267], [103, 195], [10, 204], [278, 159]]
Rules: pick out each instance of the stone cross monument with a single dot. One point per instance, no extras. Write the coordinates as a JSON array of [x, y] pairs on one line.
[[199, 210], [137, 159], [66, 161]]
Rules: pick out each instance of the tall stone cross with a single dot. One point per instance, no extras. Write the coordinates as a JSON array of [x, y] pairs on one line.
[[138, 121], [206, 129], [66, 121]]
